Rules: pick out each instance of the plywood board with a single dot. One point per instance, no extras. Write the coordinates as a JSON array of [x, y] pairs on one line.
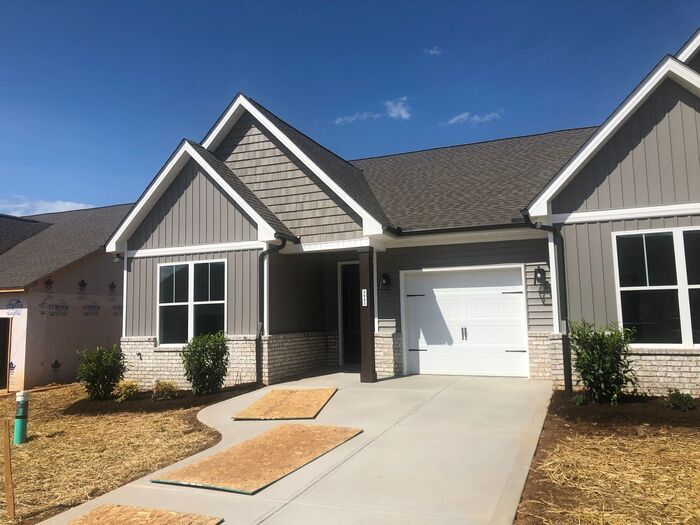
[[286, 403], [126, 515], [252, 465]]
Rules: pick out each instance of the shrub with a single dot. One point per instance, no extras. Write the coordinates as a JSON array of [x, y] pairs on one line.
[[677, 400], [579, 399], [602, 360], [205, 359], [100, 370], [164, 390], [124, 390]]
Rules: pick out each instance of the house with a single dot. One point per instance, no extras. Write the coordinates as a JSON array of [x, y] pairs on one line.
[[59, 293], [467, 259]]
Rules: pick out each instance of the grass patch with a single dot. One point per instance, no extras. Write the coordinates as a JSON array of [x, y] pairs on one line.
[[79, 449], [635, 463]]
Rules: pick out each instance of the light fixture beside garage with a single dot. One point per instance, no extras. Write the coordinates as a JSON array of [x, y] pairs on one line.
[[540, 276], [384, 281]]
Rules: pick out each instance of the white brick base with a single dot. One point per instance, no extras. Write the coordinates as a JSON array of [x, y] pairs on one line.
[[546, 357], [146, 363], [388, 354], [288, 355], [659, 370]]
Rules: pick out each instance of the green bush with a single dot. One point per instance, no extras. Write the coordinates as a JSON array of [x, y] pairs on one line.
[[602, 360], [164, 390], [678, 400], [579, 399], [205, 359], [125, 389], [100, 370]]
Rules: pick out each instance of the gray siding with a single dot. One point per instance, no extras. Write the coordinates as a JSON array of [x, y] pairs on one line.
[[193, 210], [654, 159], [532, 253], [241, 293], [589, 268], [695, 62], [293, 194]]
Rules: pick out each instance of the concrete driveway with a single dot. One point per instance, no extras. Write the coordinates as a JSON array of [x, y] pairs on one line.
[[435, 450]]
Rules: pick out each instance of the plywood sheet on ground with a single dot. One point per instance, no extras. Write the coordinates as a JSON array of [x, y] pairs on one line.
[[252, 465], [126, 515], [287, 403]]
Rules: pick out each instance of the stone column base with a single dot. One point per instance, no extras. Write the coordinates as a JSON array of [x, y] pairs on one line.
[[388, 354]]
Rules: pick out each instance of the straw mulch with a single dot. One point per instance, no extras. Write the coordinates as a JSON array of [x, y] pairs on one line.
[[126, 515], [79, 449], [635, 470], [285, 403]]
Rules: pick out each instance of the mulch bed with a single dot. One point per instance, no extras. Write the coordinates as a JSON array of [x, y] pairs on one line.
[[634, 463], [285, 403], [78, 449]]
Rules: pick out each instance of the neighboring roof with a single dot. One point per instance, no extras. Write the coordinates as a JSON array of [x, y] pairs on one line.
[[246, 193], [341, 171], [471, 185], [67, 237], [15, 229]]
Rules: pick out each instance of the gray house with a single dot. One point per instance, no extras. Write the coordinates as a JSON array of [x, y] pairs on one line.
[[466, 259]]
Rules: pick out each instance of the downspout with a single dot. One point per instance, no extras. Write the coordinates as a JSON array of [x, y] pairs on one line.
[[261, 306], [566, 349]]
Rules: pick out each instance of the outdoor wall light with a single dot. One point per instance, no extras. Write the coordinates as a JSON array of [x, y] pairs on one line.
[[117, 258], [540, 276], [384, 281]]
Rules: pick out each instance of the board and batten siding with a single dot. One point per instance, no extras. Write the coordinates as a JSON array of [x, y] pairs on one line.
[[654, 159], [241, 292], [193, 210], [532, 252], [280, 181], [589, 269]]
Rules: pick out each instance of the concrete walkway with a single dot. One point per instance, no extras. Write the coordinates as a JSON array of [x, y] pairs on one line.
[[435, 450]]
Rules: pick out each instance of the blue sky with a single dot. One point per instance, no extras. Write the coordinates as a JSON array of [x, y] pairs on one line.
[[94, 96]]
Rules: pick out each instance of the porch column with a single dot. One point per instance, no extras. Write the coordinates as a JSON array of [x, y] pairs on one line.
[[368, 372]]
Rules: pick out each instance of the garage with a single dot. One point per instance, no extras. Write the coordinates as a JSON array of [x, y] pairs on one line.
[[466, 321]]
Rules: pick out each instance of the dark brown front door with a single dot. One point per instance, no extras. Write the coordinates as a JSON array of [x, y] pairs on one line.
[[350, 290], [4, 351]]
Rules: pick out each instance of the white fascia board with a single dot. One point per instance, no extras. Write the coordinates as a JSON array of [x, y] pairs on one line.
[[370, 225], [197, 248], [668, 68], [327, 246], [690, 48], [117, 243], [643, 212]]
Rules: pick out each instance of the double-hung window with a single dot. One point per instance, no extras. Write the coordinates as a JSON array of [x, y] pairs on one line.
[[191, 300], [659, 285]]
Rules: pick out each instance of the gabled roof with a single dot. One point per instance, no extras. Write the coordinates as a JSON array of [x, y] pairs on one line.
[[471, 185], [269, 226], [14, 230], [690, 48], [65, 238], [669, 67]]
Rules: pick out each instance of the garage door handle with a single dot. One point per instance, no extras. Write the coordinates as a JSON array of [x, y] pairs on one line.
[[465, 334], [504, 293], [415, 295]]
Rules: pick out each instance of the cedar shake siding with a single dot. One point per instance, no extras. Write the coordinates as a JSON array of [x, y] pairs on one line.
[[654, 159], [193, 210], [284, 186]]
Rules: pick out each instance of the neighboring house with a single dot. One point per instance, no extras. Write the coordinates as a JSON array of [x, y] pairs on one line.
[[459, 260], [59, 293]]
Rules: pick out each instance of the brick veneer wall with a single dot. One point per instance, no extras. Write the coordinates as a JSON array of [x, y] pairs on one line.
[[388, 354], [288, 355], [545, 350], [659, 370]]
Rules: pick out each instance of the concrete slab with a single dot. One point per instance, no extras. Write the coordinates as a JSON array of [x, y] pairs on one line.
[[435, 450]]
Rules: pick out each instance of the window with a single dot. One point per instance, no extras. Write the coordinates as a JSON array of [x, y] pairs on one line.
[[185, 308], [659, 279]]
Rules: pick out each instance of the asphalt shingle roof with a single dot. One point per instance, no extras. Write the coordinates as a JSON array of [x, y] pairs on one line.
[[472, 185], [14, 230], [67, 237]]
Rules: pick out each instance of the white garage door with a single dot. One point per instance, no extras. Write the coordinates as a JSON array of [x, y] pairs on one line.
[[467, 322]]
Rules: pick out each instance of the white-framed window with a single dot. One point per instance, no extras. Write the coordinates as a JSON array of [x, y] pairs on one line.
[[657, 276], [191, 300]]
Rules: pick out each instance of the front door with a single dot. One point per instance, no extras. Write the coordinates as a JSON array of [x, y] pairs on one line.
[[4, 351], [350, 313]]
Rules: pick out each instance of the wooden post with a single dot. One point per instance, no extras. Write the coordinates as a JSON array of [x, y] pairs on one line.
[[9, 490], [368, 371]]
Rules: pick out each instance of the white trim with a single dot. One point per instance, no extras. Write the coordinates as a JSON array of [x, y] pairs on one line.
[[643, 212], [370, 225], [266, 295], [402, 295], [124, 281], [553, 283], [681, 284], [341, 350], [374, 285], [689, 48], [667, 68], [197, 248], [140, 210], [346, 244]]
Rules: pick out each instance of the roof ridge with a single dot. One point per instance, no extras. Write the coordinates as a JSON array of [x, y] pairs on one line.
[[77, 210], [475, 143]]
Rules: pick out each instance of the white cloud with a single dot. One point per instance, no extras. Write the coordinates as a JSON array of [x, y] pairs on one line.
[[467, 117], [434, 51], [365, 115], [20, 205], [398, 109]]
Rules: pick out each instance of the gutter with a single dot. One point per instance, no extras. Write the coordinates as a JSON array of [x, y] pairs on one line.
[[427, 231]]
